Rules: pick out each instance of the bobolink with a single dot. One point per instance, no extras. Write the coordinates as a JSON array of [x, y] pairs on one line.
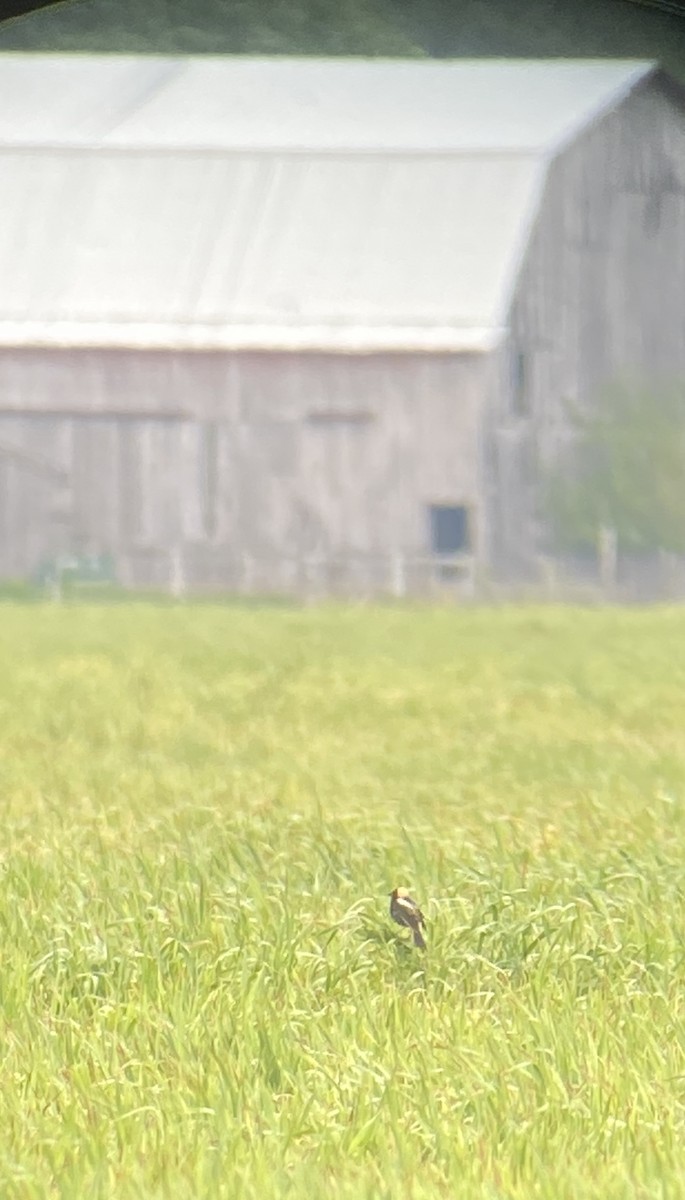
[[406, 912]]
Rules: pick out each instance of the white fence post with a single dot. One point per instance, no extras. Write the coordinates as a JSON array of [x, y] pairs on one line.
[[398, 575], [55, 584], [549, 574], [607, 555], [247, 581], [177, 575], [309, 565]]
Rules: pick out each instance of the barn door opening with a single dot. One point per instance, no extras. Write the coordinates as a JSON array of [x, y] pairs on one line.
[[450, 540]]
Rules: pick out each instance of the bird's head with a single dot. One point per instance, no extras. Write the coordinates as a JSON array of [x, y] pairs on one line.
[[399, 893]]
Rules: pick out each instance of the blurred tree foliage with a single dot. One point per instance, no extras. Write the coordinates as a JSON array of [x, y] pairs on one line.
[[439, 28], [213, 27], [625, 472]]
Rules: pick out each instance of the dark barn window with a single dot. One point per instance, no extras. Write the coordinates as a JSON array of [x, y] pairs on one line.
[[449, 528]]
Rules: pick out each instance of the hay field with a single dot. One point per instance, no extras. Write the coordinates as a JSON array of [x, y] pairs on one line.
[[203, 809]]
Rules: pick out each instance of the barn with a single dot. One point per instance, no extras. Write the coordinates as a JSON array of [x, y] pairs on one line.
[[290, 324]]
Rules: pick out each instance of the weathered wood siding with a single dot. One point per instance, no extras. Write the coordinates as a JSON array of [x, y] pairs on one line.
[[601, 293], [223, 456]]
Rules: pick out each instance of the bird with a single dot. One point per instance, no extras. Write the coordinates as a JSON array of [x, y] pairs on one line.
[[406, 911]]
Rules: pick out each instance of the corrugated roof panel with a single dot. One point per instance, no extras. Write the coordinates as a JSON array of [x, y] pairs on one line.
[[279, 241], [252, 103]]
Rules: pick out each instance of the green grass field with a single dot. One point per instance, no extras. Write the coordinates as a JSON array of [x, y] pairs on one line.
[[201, 993]]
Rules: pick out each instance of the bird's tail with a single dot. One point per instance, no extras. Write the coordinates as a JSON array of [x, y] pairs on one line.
[[418, 938]]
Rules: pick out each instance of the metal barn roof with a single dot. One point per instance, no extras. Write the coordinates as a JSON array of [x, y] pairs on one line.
[[308, 104], [321, 204]]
